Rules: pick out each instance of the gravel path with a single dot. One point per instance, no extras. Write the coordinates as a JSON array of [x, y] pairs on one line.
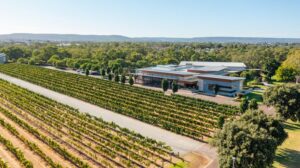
[[179, 143]]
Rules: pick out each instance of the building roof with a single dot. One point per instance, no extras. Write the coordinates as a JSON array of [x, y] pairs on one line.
[[208, 68], [167, 71], [2, 55], [215, 64], [220, 77]]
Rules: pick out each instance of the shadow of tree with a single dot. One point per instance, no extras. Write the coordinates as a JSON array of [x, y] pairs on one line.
[[288, 157], [292, 126]]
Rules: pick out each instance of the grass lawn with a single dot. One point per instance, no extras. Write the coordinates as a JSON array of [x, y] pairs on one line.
[[256, 95], [288, 154]]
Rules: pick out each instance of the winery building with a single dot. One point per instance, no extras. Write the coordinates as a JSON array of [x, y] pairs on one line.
[[206, 77]]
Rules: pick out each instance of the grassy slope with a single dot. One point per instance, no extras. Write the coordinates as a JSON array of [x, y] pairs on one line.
[[288, 154]]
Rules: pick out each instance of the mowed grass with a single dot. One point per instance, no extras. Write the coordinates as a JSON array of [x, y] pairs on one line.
[[257, 95], [288, 154]]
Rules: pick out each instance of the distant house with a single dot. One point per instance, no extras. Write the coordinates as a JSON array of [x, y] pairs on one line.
[[207, 77], [2, 58]]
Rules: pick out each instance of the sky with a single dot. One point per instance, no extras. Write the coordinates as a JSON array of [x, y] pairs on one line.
[[153, 18]]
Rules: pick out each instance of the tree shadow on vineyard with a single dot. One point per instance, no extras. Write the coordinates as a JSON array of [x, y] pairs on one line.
[[288, 158]]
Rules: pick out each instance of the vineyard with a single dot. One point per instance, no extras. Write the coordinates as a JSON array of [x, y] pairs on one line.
[[39, 132], [186, 116]]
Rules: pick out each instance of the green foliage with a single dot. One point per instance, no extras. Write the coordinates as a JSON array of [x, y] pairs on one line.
[[269, 68], [165, 85], [112, 140], [221, 121], [192, 117], [117, 78], [60, 64], [22, 61], [3, 164], [244, 105], [253, 104], [130, 81], [110, 76], [16, 152], [108, 70], [53, 60], [103, 72], [290, 67], [31, 62], [174, 87], [251, 139], [286, 74], [286, 99], [250, 75], [135, 55], [87, 72], [123, 79]]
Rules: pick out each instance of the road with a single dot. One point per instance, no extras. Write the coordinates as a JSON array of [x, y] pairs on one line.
[[180, 144]]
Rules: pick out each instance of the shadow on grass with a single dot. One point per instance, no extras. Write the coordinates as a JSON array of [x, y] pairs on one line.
[[291, 126], [288, 158]]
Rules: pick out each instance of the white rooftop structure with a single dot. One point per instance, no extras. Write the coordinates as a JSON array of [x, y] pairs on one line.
[[215, 64]]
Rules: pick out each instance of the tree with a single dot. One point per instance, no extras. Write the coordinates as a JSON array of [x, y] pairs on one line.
[[53, 60], [286, 99], [244, 105], [286, 74], [117, 78], [60, 64], [31, 62], [174, 87], [165, 85], [108, 70], [290, 68], [87, 72], [123, 79], [130, 81], [103, 72], [22, 61], [269, 68], [221, 121], [253, 104], [251, 139], [110, 76]]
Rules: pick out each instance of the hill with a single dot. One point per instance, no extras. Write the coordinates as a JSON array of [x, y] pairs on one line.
[[25, 37]]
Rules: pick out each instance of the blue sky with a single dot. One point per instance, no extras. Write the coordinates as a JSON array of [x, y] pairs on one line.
[[139, 18]]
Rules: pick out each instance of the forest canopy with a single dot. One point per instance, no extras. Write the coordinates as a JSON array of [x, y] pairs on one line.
[[136, 55]]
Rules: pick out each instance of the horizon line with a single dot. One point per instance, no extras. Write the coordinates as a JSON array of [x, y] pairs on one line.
[[191, 37]]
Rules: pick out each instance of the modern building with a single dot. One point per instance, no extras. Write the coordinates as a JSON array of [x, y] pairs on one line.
[[207, 77], [2, 58], [217, 84]]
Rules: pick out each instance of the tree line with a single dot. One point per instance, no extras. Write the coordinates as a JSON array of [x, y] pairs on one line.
[[124, 57]]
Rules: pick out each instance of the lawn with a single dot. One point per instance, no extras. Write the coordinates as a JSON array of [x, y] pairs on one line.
[[257, 94], [288, 154]]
